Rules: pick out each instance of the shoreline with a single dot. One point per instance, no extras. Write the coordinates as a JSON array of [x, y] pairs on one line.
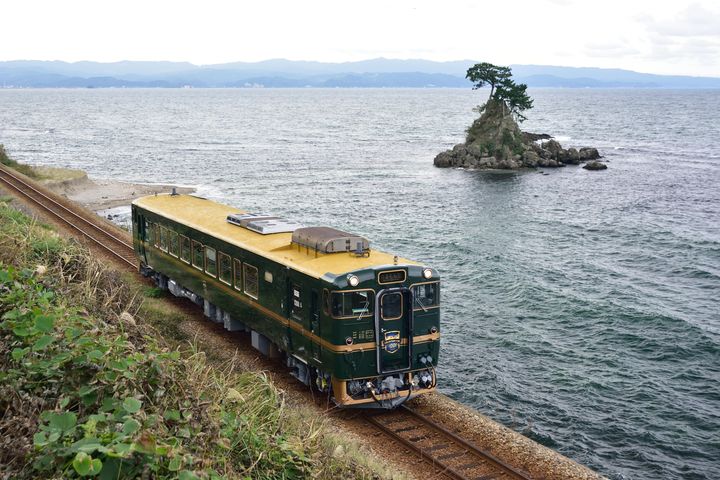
[[100, 194]]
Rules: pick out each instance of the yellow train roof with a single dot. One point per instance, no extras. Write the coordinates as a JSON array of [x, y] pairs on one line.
[[210, 217]]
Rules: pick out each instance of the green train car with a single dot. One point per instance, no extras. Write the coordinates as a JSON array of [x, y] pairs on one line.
[[358, 324]]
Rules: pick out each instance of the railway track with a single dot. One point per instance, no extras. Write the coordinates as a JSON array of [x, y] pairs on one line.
[[450, 455], [72, 217]]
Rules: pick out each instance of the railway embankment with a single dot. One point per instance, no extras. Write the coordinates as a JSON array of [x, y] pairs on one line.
[[90, 385], [152, 324]]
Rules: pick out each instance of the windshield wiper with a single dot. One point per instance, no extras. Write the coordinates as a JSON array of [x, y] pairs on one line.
[[421, 305]]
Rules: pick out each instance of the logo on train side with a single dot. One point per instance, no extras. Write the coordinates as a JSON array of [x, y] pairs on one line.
[[392, 341]]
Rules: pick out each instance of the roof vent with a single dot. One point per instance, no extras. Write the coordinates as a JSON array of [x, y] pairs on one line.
[[261, 223], [330, 240]]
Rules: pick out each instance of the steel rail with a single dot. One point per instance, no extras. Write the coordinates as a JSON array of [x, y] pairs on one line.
[[465, 443], [48, 204], [427, 453]]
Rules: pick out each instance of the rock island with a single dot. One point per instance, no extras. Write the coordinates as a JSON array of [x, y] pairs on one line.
[[495, 141]]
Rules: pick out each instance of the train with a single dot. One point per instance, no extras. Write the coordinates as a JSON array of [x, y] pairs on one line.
[[357, 324]]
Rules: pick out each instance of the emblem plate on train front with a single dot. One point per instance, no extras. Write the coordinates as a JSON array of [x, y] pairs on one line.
[[392, 341]]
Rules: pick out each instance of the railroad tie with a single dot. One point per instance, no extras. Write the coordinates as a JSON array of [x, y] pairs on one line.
[[452, 455], [405, 429], [436, 447]]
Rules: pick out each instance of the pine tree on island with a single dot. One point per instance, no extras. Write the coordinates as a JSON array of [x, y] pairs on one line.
[[502, 88]]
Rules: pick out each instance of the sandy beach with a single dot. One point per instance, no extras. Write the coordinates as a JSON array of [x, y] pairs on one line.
[[100, 194]]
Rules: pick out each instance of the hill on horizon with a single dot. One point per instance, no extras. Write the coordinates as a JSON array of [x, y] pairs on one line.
[[282, 73]]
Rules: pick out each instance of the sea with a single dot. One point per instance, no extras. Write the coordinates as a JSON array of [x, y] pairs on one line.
[[580, 308]]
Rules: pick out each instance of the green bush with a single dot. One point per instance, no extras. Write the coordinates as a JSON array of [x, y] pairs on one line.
[[88, 390], [4, 159], [26, 170], [122, 406]]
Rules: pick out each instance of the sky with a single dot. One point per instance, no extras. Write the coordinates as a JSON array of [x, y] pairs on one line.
[[664, 37]]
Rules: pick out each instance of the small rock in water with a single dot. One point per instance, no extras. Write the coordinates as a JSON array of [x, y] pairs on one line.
[[594, 166]]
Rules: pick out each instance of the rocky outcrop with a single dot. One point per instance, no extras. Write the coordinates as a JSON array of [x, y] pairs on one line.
[[595, 165], [495, 141]]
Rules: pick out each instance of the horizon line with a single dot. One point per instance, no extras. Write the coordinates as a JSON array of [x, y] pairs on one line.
[[470, 62]]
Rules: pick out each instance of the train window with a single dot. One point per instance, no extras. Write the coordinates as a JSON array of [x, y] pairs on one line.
[[237, 265], [226, 272], [157, 235], [250, 287], [296, 305], [174, 243], [427, 295], [198, 257], [150, 232], [210, 261], [351, 304], [326, 301], [163, 238], [391, 306], [185, 252]]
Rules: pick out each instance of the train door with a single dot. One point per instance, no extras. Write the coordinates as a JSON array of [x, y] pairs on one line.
[[139, 232], [315, 322], [393, 329]]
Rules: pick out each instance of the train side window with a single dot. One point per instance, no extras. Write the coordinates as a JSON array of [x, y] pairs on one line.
[[326, 301], [226, 272], [157, 235], [210, 261], [351, 304], [185, 251], [237, 267], [150, 232], [198, 257], [427, 295], [174, 243], [250, 286], [163, 238], [296, 306]]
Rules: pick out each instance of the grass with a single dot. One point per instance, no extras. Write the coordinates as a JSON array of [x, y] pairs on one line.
[[26, 170], [93, 383], [41, 173]]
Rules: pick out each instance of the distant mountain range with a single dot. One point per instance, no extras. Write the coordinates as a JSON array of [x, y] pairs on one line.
[[377, 73]]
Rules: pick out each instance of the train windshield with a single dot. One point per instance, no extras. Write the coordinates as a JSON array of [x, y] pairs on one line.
[[352, 304], [427, 294]]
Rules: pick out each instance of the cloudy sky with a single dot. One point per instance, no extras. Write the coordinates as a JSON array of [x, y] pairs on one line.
[[673, 37]]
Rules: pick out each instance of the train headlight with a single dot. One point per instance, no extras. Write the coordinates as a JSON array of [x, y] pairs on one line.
[[348, 341], [427, 273], [353, 280]]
